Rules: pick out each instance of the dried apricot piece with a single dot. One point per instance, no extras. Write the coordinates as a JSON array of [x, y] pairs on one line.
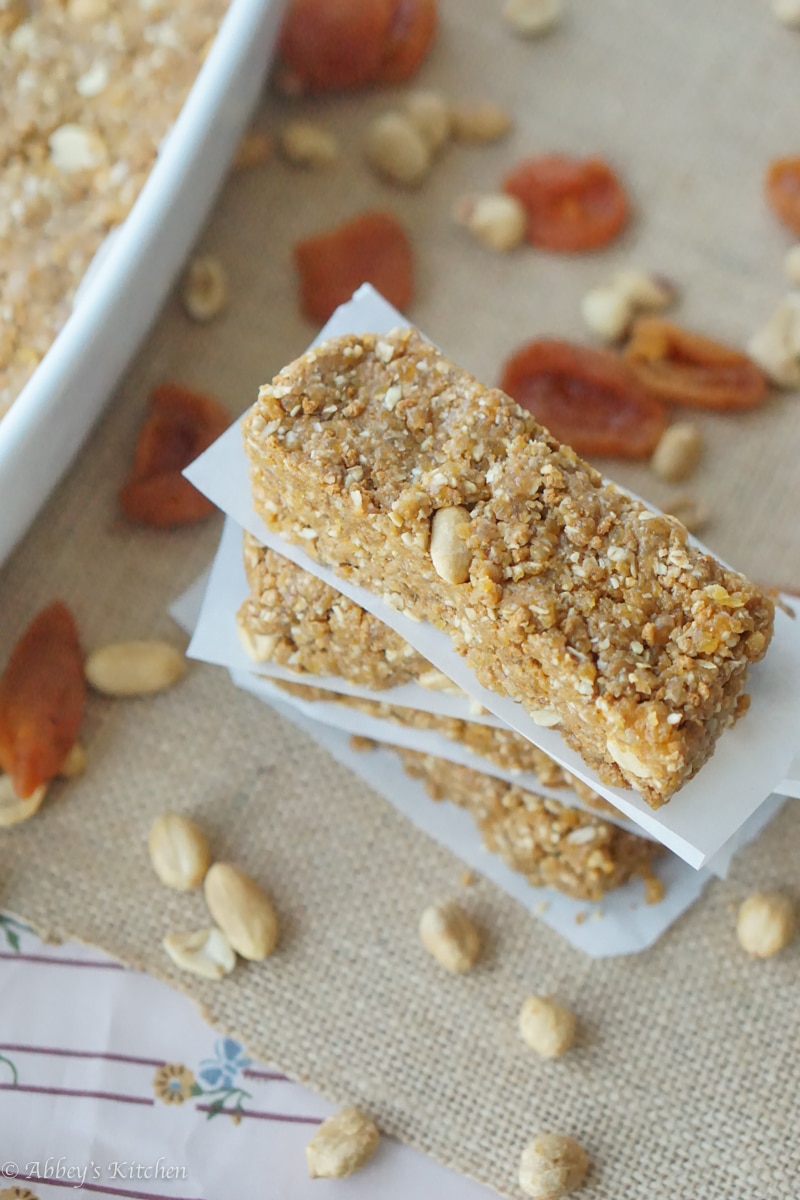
[[572, 204], [411, 31], [331, 45], [686, 368], [783, 191], [587, 398], [181, 424], [42, 697], [372, 248]]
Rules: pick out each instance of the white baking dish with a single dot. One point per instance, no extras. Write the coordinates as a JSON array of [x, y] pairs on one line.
[[118, 300]]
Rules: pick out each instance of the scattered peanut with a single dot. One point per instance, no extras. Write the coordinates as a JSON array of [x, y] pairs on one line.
[[552, 1166], [259, 646], [609, 309], [179, 851], [678, 452], [484, 122], [135, 668], [242, 910], [74, 764], [450, 554], [791, 265], [766, 924], [205, 952], [547, 1027], [776, 346], [532, 18], [304, 144], [693, 515], [204, 291], [342, 1144], [787, 11], [497, 221], [429, 113], [254, 149], [448, 933], [13, 809], [396, 150]]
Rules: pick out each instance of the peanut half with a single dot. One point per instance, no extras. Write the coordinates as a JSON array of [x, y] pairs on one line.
[[429, 113], [204, 292], [496, 220], [342, 1144], [396, 150], [532, 18], [179, 851], [135, 668], [678, 452], [449, 934], [305, 144], [482, 122], [552, 1166], [205, 952], [547, 1027], [450, 554], [13, 809], [766, 924], [242, 910]]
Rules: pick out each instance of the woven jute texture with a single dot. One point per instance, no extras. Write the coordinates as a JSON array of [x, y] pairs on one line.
[[684, 1084]]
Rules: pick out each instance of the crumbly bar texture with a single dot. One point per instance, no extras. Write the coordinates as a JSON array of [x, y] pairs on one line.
[[89, 90], [576, 600], [503, 747], [295, 620], [549, 843]]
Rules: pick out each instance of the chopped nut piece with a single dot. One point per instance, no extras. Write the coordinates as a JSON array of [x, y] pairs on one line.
[[205, 289], [75, 148], [547, 1027], [607, 312], [179, 851], [396, 150], [94, 81], [552, 1166], [429, 113], [448, 933], [787, 11], [242, 910], [766, 924], [13, 808], [254, 149], [497, 221], [645, 292], [532, 18], [693, 515], [483, 122], [135, 668], [776, 346], [305, 144], [343, 1144], [450, 553], [678, 452], [205, 952]]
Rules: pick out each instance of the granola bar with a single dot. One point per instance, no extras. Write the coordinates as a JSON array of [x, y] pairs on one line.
[[560, 591], [549, 843], [503, 747]]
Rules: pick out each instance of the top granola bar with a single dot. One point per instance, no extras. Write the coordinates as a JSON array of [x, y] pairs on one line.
[[560, 591]]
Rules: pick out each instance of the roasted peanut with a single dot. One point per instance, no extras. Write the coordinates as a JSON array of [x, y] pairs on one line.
[[204, 292], [343, 1144], [766, 924], [450, 554], [305, 144], [13, 809], [552, 1166], [482, 122], [135, 668], [179, 851], [242, 910], [205, 952], [532, 18], [496, 220], [776, 346], [547, 1027], [396, 150], [449, 934], [678, 452], [429, 113]]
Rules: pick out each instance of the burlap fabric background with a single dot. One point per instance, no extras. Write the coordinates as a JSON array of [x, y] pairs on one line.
[[684, 1084]]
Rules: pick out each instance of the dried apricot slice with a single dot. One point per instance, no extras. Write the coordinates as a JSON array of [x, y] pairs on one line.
[[686, 368], [586, 398], [783, 191], [409, 37], [372, 248], [181, 424], [328, 45], [572, 204], [42, 697]]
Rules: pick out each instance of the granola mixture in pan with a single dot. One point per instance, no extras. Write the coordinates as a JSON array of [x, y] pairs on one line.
[[560, 590]]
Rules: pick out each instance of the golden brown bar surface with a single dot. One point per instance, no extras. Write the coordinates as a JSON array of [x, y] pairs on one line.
[[548, 842], [560, 591]]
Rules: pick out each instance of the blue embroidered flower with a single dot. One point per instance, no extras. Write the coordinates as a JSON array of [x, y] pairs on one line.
[[221, 1071]]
